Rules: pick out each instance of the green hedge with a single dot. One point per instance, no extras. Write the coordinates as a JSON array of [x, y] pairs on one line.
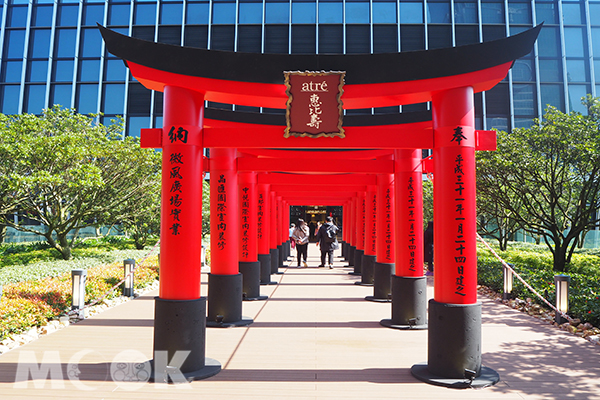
[[534, 265]]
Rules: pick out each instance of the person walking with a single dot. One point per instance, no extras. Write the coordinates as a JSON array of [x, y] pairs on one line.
[[300, 236], [327, 241]]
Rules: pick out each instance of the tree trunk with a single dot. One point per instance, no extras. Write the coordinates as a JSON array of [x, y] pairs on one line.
[[3, 230], [560, 258]]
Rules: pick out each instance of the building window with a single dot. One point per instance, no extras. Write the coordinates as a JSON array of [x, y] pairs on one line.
[[519, 13], [465, 12], [93, 14], [113, 98], [42, 15], [438, 13], [197, 13], [572, 13], [37, 71], [64, 42], [330, 13], [384, 13], [145, 14], [118, 14], [277, 13], [251, 13], [11, 71], [39, 43], [10, 99], [411, 13], [492, 12], [61, 95], [63, 71], [357, 13], [17, 17], [171, 13], [304, 13], [89, 70], [91, 43], [546, 12], [223, 13], [67, 15], [14, 44], [115, 70], [35, 96], [87, 98]]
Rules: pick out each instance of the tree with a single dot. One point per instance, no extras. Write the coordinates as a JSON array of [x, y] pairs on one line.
[[143, 219], [69, 172], [548, 177], [493, 218]]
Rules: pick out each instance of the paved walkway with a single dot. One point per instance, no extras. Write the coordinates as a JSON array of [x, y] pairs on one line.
[[314, 338]]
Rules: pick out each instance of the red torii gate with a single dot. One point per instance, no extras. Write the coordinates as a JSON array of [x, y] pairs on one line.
[[447, 78]]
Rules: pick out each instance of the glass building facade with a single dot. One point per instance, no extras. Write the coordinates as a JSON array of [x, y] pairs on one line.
[[52, 52]]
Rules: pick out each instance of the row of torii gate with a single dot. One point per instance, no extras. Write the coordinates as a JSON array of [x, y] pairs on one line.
[[372, 167]]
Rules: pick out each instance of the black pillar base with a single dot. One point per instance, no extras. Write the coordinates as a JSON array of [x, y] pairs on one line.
[[180, 325], [282, 257], [344, 250], [275, 261], [454, 348], [225, 302], [366, 270], [409, 303], [382, 281], [265, 269], [288, 249], [351, 251], [251, 281]]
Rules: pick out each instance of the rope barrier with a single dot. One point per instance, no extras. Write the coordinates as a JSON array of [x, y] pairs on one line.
[[528, 286], [93, 303]]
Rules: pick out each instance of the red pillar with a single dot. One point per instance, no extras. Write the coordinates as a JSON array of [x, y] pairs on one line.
[[248, 217], [454, 334], [181, 214], [224, 234], [454, 208], [371, 221], [264, 232], [409, 213], [385, 219]]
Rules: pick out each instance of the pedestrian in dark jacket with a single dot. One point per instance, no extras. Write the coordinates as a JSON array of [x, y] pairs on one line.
[[327, 241]]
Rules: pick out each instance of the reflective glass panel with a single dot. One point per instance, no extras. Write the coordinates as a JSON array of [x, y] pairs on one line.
[[91, 42], [549, 42], [411, 13], [171, 13], [38, 71], [93, 14], [595, 13], [61, 94], [251, 13], [357, 13], [438, 13], [63, 71], [17, 17], [524, 99], [223, 13], [384, 13], [546, 12], [89, 70], [573, 13], [576, 92], [42, 15], [304, 13], [145, 14], [64, 42], [330, 13], [39, 43], [15, 44], [574, 42], [492, 13], [135, 125], [277, 13], [522, 70], [197, 13], [118, 14], [9, 95], [550, 71], [115, 70], [67, 15], [35, 98], [519, 13], [465, 13], [577, 71], [11, 71], [596, 43], [114, 98], [87, 99]]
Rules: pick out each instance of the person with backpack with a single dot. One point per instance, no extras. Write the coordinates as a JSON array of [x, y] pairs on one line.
[[300, 235], [327, 241]]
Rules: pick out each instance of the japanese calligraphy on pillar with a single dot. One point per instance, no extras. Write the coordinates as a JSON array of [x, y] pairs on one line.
[[388, 224], [221, 213], [314, 106], [459, 239], [245, 210], [175, 183], [373, 226], [411, 225], [261, 215], [364, 219]]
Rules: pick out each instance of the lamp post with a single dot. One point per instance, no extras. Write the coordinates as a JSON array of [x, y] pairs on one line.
[[507, 276], [129, 268], [562, 296], [78, 277]]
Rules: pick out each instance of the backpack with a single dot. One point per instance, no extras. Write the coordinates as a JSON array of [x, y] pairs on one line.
[[330, 234]]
